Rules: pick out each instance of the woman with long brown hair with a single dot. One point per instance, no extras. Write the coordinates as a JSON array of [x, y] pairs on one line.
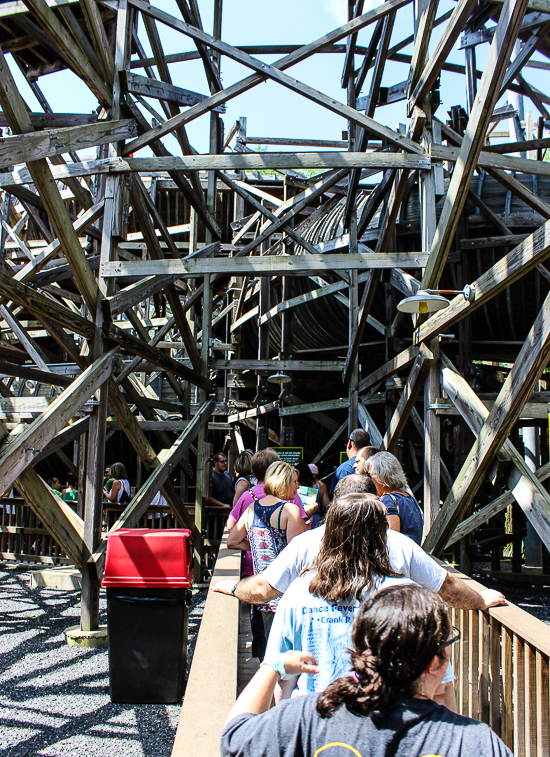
[[384, 706], [316, 613]]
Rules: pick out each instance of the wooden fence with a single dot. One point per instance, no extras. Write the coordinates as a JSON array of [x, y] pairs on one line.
[[23, 537], [501, 664]]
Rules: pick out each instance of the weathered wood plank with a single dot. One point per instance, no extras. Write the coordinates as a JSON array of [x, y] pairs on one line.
[[44, 144], [143, 85], [19, 448], [531, 360], [519, 261], [273, 265], [486, 98], [411, 390]]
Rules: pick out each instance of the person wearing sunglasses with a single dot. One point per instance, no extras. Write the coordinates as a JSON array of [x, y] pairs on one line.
[[384, 705]]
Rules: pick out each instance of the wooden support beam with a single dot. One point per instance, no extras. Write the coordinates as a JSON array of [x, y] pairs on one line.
[[403, 360], [272, 265], [135, 293], [236, 89], [525, 487], [423, 35], [19, 448], [170, 459], [367, 422], [431, 71], [521, 191], [432, 444], [39, 261], [15, 109], [137, 347], [41, 377], [65, 436], [489, 511], [66, 527], [488, 160], [44, 307], [532, 359], [101, 46], [340, 432], [485, 101], [411, 390], [23, 148], [160, 90], [534, 250], [357, 335]]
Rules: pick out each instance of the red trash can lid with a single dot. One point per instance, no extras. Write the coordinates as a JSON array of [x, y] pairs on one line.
[[149, 558]]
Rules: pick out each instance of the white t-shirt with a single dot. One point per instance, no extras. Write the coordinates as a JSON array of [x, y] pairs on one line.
[[406, 558], [312, 624]]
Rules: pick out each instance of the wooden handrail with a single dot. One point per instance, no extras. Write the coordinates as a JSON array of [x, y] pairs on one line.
[[512, 617], [212, 685]]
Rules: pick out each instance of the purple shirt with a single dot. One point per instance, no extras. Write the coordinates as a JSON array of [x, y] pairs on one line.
[[244, 501]]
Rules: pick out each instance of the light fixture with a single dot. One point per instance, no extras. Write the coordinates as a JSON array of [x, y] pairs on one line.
[[431, 300], [279, 378]]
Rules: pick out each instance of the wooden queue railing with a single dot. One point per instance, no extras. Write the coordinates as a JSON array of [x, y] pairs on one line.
[[501, 664]]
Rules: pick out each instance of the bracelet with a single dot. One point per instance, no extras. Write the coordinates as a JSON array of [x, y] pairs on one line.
[[277, 664]]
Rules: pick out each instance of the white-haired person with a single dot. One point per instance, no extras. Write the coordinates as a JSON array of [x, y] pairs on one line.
[[269, 524], [404, 513]]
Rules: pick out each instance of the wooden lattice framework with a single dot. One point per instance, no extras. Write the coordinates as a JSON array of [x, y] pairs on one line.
[[87, 248]]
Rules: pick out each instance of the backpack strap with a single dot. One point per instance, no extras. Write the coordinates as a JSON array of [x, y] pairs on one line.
[[282, 507]]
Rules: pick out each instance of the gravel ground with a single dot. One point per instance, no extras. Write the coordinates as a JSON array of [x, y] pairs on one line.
[[54, 699]]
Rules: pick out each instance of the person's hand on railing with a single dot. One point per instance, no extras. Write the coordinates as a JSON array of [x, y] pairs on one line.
[[225, 587], [492, 598]]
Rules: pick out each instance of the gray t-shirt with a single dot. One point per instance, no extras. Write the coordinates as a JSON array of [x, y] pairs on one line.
[[411, 728]]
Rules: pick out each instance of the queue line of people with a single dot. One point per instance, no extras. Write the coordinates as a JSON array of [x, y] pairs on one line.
[[355, 571]]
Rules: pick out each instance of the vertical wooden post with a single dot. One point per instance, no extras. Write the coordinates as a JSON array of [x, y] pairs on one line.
[[432, 442], [95, 462], [199, 491], [286, 428], [263, 354], [531, 452], [215, 123]]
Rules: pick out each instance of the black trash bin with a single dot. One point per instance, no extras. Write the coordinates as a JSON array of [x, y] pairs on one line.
[[148, 578]]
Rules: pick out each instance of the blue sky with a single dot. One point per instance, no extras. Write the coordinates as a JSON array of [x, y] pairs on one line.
[[272, 110]]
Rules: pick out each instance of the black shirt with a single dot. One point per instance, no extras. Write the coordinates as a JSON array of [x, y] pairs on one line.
[[410, 728], [222, 487]]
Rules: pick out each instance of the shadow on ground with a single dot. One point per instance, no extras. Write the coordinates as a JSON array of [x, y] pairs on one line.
[[54, 699]]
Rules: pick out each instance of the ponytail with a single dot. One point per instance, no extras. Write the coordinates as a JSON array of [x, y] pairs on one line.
[[396, 634]]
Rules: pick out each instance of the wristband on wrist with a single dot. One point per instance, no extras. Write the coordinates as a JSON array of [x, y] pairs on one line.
[[277, 664], [233, 589]]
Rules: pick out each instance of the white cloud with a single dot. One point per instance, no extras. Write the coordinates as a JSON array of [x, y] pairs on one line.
[[338, 10]]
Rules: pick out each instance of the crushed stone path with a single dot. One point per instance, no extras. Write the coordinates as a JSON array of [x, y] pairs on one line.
[[54, 699]]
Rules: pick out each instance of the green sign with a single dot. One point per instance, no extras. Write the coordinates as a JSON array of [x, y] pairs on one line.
[[289, 454], [343, 457]]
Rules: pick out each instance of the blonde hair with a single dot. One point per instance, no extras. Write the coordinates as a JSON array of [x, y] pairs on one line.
[[278, 479]]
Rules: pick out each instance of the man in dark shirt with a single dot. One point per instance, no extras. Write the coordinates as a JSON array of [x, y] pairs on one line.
[[357, 440], [221, 483]]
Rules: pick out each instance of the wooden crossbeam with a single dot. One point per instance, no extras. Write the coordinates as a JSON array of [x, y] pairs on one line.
[[296, 56], [411, 390], [489, 160], [532, 359], [19, 448], [230, 161], [143, 85], [534, 250], [168, 460], [15, 109], [44, 144], [44, 307], [525, 487], [489, 511], [137, 347], [486, 98], [275, 265], [136, 293]]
